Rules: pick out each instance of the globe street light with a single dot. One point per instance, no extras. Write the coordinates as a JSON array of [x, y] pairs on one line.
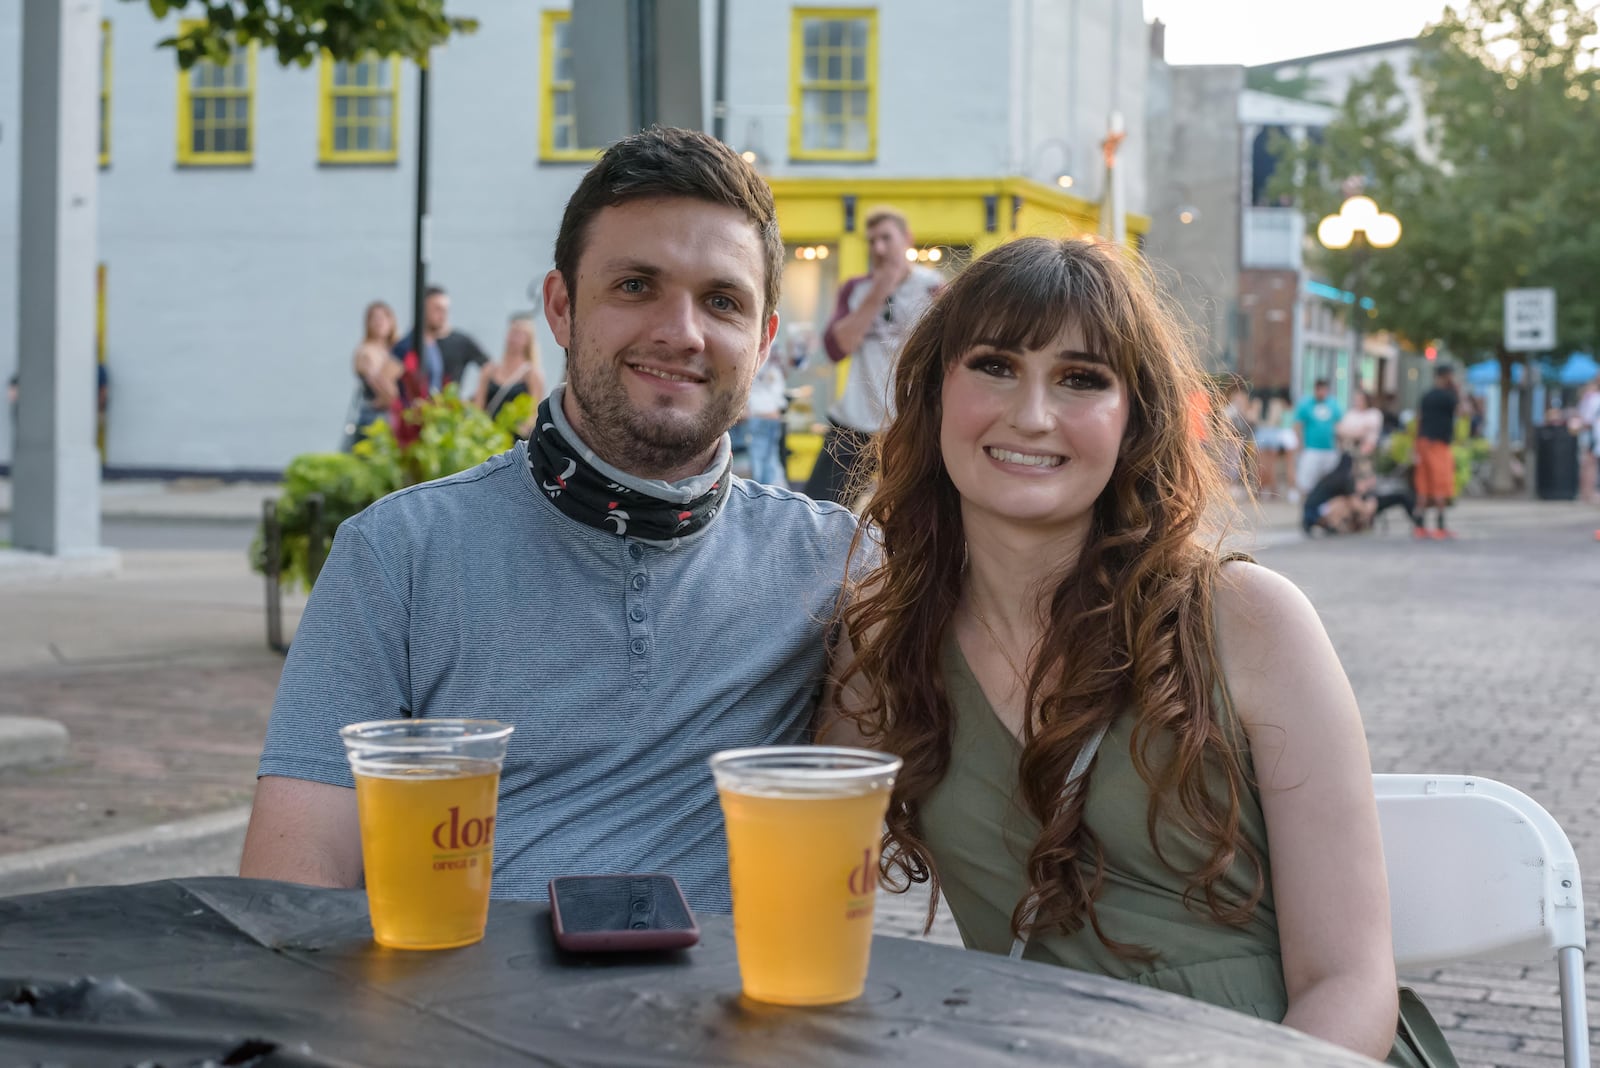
[[1361, 224]]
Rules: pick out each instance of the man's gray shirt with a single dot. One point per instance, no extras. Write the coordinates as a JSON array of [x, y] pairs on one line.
[[624, 665]]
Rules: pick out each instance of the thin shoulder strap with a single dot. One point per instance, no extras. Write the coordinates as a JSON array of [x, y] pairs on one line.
[[1080, 767]]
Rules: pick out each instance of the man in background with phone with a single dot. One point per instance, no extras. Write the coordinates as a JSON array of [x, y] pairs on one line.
[[871, 319], [608, 587]]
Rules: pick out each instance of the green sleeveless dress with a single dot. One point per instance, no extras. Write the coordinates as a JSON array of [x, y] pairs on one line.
[[980, 832]]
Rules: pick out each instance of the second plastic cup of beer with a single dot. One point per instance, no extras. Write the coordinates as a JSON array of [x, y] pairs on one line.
[[427, 791], [804, 826]]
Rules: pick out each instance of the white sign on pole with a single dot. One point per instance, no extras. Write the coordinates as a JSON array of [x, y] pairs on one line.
[[1530, 320]]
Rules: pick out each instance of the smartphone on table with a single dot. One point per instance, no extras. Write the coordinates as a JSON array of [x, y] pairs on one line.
[[619, 913]]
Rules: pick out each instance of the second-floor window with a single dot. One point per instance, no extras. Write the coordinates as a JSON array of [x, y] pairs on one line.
[[105, 92], [833, 79], [216, 111], [360, 111], [558, 119]]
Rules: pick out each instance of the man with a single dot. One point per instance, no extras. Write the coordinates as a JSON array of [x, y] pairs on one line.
[[1435, 463], [446, 353], [871, 319], [1315, 418], [608, 587]]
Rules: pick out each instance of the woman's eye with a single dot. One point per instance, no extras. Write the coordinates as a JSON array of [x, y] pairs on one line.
[[1086, 380], [989, 365]]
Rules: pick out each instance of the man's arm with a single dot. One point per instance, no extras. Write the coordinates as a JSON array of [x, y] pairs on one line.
[[847, 329], [303, 832], [349, 663]]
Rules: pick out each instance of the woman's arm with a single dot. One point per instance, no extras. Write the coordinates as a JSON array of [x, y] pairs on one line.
[[380, 372], [480, 396], [1326, 854]]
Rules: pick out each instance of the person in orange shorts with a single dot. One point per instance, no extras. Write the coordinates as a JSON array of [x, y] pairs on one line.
[[1436, 465]]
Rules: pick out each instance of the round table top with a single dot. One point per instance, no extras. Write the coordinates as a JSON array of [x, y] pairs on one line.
[[179, 971]]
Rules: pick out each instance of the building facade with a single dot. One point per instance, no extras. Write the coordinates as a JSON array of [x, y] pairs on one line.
[[249, 212], [1236, 256]]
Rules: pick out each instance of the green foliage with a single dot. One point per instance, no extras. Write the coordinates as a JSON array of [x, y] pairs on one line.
[[1468, 453], [301, 30], [452, 436]]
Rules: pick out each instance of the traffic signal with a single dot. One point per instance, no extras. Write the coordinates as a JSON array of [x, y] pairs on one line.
[[1431, 352]]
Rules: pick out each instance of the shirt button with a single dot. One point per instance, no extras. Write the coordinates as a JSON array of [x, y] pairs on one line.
[[638, 582], [638, 647], [636, 614], [636, 551]]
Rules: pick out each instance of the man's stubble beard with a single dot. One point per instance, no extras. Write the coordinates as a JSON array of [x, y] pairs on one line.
[[632, 440]]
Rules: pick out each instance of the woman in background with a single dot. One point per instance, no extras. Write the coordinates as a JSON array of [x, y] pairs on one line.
[[377, 371], [515, 374]]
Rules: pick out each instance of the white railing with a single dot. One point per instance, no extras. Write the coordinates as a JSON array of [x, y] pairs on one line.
[[1273, 238]]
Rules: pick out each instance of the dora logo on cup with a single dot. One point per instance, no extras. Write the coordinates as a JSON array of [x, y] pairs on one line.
[[863, 882], [453, 835]]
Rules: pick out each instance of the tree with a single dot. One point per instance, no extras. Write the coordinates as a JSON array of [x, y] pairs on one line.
[[1510, 89], [301, 30]]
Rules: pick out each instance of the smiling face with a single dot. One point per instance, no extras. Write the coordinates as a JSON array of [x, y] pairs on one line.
[[664, 332], [1032, 436]]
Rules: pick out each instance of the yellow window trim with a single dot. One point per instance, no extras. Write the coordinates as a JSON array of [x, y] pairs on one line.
[[797, 55], [105, 92], [548, 86], [186, 154], [326, 153]]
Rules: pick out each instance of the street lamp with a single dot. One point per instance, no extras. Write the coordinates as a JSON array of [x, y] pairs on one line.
[[1359, 224]]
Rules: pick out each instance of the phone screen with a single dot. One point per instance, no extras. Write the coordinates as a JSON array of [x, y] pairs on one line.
[[624, 908]]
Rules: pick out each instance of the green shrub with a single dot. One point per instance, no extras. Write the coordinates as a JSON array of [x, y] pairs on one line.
[[453, 435], [1466, 451]]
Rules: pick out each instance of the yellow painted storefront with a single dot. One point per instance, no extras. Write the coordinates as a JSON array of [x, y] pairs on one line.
[[965, 217]]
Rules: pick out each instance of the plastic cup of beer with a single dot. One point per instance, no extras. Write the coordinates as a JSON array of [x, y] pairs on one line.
[[427, 790], [804, 827]]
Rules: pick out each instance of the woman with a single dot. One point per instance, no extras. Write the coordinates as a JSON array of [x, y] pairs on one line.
[[515, 374], [1277, 441], [377, 371], [1047, 572], [1358, 431]]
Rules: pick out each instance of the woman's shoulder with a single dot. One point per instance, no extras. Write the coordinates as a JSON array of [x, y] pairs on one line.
[[1255, 602]]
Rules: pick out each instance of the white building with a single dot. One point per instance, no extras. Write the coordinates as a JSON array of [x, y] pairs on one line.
[[248, 214]]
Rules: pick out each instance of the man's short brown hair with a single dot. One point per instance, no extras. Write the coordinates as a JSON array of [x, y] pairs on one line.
[[668, 162], [894, 215]]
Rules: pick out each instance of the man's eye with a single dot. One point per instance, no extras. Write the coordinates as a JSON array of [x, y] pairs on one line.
[[723, 303], [633, 285]]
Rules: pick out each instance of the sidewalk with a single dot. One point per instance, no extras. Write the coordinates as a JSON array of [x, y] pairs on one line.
[[182, 499]]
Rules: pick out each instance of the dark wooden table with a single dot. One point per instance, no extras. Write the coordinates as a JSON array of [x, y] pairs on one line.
[[273, 975]]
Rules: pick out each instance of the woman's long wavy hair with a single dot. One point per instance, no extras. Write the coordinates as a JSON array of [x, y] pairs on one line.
[[1129, 622]]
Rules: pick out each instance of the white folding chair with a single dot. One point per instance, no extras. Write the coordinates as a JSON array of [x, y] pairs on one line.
[[1479, 871]]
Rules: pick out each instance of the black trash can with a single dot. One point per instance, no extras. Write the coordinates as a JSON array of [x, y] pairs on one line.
[[1555, 463]]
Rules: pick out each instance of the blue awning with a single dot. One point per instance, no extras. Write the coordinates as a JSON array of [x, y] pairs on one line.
[[1579, 369]]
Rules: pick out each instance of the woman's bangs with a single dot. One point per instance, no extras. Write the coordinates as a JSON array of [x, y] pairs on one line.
[[1029, 310]]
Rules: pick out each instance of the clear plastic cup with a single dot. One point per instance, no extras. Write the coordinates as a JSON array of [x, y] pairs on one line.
[[804, 827], [427, 791]]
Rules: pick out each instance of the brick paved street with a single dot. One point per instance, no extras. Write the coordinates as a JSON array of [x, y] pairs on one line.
[[1479, 656]]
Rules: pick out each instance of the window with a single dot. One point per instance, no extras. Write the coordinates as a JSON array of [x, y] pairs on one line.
[[360, 111], [216, 111], [558, 126], [833, 76], [105, 92]]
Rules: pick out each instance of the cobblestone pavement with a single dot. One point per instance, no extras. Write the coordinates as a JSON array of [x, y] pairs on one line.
[[1477, 656]]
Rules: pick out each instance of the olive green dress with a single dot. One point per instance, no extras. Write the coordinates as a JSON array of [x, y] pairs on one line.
[[980, 832]]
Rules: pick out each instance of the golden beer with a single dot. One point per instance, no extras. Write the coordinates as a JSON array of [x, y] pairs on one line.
[[803, 865], [427, 812]]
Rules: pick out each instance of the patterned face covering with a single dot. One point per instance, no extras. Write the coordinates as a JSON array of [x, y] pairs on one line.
[[581, 492]]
